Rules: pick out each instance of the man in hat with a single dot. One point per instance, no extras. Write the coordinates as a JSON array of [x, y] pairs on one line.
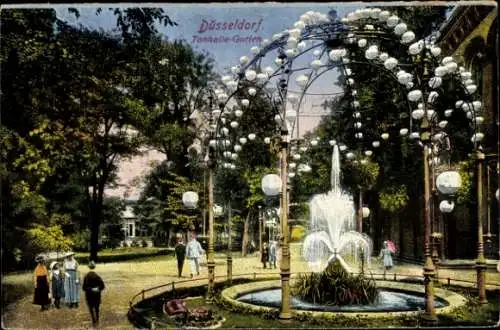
[[193, 253], [92, 286], [180, 253]]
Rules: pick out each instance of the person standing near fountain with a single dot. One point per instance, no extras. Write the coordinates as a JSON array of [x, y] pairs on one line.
[[386, 254], [264, 258], [180, 254], [193, 253], [272, 254]]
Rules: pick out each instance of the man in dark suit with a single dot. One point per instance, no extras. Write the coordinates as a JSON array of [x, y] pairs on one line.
[[92, 286], [180, 253]]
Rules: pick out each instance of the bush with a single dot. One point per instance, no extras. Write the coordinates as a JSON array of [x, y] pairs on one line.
[[81, 240], [144, 244], [105, 258], [298, 232], [335, 286], [50, 238]]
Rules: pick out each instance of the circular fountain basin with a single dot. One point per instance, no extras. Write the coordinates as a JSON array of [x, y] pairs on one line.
[[395, 298], [386, 301]]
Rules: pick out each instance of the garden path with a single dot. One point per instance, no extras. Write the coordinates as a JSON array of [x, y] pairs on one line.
[[125, 279]]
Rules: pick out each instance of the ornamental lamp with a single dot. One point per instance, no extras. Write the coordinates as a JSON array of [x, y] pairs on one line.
[[448, 182], [271, 185], [218, 210], [190, 199], [446, 206], [366, 212]]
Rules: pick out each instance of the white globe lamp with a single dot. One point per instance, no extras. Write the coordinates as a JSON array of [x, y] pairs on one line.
[[271, 185], [190, 199], [448, 182]]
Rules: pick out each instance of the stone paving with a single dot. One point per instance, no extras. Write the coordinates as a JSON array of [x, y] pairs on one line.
[[125, 279]]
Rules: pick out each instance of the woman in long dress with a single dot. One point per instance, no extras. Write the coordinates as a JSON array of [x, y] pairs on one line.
[[71, 282], [41, 281], [386, 254]]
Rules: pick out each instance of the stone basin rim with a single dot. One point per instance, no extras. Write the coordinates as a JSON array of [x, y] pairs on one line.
[[229, 295]]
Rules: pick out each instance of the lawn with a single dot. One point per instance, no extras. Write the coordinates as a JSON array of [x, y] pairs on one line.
[[470, 315]]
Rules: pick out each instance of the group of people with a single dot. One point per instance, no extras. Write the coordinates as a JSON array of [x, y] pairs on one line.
[[269, 254], [61, 282], [192, 251]]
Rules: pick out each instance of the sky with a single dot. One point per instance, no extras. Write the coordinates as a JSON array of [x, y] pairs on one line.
[[250, 23], [262, 21]]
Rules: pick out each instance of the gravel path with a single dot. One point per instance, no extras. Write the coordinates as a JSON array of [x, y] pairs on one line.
[[125, 279]]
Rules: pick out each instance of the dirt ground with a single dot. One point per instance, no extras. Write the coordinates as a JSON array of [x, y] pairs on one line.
[[124, 279]]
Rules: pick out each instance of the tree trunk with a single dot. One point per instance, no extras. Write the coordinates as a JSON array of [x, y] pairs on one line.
[[244, 241], [96, 211], [94, 234]]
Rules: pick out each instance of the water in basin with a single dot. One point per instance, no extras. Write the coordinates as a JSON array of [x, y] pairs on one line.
[[387, 300]]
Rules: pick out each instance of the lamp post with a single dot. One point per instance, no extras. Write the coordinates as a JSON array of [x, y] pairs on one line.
[[447, 184], [272, 185], [360, 211], [429, 270], [260, 229], [481, 262], [229, 243], [285, 313]]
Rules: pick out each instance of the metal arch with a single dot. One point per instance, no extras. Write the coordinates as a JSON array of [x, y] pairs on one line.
[[329, 31]]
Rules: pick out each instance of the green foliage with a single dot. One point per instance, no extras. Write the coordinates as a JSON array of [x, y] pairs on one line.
[[112, 210], [393, 199], [464, 193], [81, 240], [48, 239], [175, 210], [117, 255], [254, 180], [297, 233], [364, 175], [335, 286]]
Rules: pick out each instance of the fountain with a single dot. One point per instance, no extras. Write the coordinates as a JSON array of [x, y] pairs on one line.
[[332, 226], [332, 286]]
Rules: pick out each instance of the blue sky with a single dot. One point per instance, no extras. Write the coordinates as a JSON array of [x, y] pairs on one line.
[[273, 18]]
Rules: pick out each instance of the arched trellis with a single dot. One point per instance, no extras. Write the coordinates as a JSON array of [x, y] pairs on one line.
[[249, 68], [328, 37]]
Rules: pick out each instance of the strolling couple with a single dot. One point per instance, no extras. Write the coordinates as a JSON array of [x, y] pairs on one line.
[[192, 251]]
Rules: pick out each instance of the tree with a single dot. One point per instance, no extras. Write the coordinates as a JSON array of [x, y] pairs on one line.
[[175, 84], [68, 107]]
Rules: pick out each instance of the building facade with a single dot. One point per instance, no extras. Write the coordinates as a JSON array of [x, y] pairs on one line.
[[471, 37]]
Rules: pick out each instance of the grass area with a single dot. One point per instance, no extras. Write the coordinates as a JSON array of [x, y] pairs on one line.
[[120, 251], [472, 314], [16, 287], [123, 254]]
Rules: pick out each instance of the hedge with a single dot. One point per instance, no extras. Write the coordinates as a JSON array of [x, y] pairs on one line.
[[107, 258]]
